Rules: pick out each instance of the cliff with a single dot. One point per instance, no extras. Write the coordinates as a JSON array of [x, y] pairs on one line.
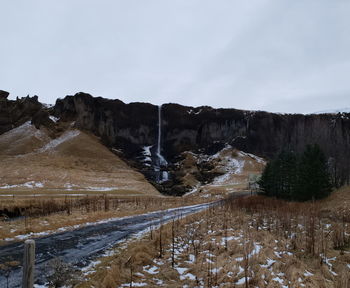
[[132, 131], [130, 127], [15, 113]]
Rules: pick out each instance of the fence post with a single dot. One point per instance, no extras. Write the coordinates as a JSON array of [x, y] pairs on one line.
[[28, 264]]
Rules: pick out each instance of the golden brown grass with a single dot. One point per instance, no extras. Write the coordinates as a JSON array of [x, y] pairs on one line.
[[338, 200], [77, 163], [79, 210], [270, 241]]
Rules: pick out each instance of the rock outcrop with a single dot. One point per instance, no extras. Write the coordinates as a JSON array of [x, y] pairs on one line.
[[124, 126], [14, 113], [131, 131], [130, 127], [4, 94]]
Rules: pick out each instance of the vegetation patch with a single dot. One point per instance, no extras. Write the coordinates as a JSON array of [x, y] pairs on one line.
[[297, 177], [250, 242]]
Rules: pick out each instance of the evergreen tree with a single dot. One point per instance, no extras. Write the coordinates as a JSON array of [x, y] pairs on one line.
[[288, 174], [280, 176], [266, 181], [291, 178], [314, 180]]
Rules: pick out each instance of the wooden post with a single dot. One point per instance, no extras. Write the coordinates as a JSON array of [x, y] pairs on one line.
[[28, 264]]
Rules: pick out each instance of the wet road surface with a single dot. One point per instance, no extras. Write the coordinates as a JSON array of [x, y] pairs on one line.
[[81, 246]]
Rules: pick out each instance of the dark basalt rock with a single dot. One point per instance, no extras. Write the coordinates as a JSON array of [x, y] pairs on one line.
[[4, 94], [14, 113], [42, 119], [129, 127]]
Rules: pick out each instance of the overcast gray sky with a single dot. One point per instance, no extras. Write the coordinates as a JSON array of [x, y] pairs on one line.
[[275, 55]]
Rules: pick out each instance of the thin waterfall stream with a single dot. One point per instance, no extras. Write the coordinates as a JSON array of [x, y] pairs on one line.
[[161, 163]]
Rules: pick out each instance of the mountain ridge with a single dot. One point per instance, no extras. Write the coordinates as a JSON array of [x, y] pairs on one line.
[[129, 128], [333, 111]]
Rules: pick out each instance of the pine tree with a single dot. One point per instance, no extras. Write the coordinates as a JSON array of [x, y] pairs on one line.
[[280, 176], [288, 174], [266, 181], [314, 180], [291, 178]]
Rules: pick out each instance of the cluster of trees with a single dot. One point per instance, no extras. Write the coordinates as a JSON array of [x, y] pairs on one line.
[[297, 177]]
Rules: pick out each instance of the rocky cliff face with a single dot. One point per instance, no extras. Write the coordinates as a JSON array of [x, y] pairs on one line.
[[123, 126], [15, 113], [131, 130], [131, 127]]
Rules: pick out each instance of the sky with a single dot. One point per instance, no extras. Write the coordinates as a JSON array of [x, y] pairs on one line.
[[274, 55]]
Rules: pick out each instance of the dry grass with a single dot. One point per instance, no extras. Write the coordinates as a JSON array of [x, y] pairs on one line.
[[44, 215], [339, 200], [81, 163], [57, 169], [271, 242]]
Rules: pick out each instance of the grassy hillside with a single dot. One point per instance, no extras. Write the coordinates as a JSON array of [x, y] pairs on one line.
[[74, 162]]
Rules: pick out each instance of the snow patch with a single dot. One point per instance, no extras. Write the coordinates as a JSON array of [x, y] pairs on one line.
[[151, 270], [307, 274], [278, 279], [227, 239], [158, 281], [31, 184], [146, 152], [134, 284], [192, 259], [20, 130], [99, 188], [63, 138], [181, 270], [269, 263], [256, 250], [90, 268], [242, 281], [191, 111], [54, 119]]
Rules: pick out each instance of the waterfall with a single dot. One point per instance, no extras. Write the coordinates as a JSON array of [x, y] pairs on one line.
[[161, 162], [159, 129]]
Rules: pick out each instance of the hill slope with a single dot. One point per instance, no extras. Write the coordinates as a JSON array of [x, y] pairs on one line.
[[74, 161]]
